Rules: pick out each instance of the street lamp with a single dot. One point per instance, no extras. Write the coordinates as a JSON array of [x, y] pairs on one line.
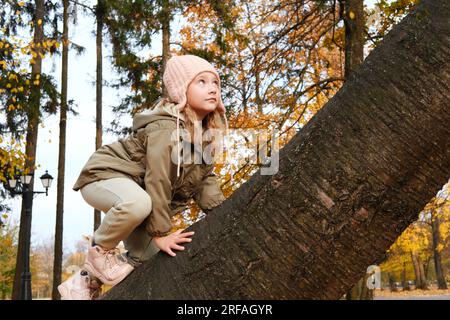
[[20, 184]]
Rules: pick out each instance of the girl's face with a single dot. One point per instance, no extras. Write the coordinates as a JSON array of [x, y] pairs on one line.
[[203, 94]]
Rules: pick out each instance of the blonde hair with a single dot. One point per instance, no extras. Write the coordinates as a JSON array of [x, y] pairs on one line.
[[212, 123], [212, 120]]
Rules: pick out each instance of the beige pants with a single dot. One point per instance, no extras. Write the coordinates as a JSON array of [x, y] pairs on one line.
[[126, 206]]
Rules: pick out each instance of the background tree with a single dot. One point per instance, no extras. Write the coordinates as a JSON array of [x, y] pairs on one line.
[[423, 242], [58, 244], [9, 232]]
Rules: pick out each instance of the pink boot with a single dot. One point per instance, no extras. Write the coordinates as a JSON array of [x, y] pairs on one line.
[[77, 287], [107, 265]]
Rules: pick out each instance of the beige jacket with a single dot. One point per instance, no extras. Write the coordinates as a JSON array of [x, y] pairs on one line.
[[145, 157]]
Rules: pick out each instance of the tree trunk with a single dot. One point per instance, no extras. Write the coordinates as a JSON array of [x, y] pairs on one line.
[[57, 262], [440, 275], [354, 23], [415, 262], [166, 14], [31, 140], [426, 268], [349, 183], [100, 13], [405, 283], [421, 282], [423, 278]]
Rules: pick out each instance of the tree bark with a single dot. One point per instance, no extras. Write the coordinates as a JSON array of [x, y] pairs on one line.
[[421, 281], [57, 262], [440, 276], [354, 23], [416, 263], [349, 183], [423, 278], [405, 283], [165, 38], [100, 14], [31, 140]]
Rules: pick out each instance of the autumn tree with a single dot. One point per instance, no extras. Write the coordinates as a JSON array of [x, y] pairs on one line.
[[8, 250], [422, 242], [28, 92]]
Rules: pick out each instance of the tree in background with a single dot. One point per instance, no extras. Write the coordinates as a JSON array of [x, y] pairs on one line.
[[422, 242], [9, 232]]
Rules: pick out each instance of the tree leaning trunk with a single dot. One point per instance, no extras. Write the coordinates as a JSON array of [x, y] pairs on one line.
[[349, 183], [440, 277], [31, 141]]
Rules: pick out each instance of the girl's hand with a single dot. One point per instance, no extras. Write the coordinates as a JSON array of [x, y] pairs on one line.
[[172, 240]]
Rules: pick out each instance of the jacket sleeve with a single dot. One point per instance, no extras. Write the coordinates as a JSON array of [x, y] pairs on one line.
[[208, 194], [160, 176]]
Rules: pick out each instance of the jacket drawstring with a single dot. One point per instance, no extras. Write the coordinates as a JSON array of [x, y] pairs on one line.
[[178, 143]]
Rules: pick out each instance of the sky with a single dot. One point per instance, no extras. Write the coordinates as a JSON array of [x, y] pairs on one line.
[[80, 143]]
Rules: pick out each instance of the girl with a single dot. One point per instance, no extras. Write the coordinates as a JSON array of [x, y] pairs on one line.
[[141, 181]]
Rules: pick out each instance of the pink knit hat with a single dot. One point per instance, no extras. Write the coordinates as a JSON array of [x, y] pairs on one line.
[[178, 74]]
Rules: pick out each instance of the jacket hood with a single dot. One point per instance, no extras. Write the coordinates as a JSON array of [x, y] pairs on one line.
[[161, 110]]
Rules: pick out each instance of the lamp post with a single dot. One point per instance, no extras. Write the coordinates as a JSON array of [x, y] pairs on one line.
[[20, 184]]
